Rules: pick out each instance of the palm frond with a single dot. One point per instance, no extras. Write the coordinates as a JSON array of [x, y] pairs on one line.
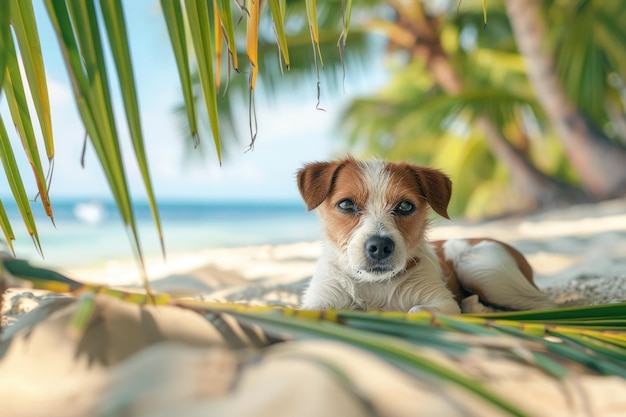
[[586, 55], [27, 36], [18, 106], [201, 36], [79, 28], [116, 30], [173, 15]]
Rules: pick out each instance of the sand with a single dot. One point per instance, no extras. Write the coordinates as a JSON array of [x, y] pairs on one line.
[[169, 361], [578, 255]]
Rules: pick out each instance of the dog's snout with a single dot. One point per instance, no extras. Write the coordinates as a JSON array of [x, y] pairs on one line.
[[378, 248]]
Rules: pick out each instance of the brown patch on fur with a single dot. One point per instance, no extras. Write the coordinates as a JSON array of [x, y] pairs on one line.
[[421, 186], [324, 185], [3, 288], [448, 274], [433, 185], [316, 180], [339, 225], [452, 281], [402, 187]]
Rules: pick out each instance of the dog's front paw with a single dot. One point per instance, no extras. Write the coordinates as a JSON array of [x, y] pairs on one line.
[[417, 309], [312, 307], [445, 308], [472, 305]]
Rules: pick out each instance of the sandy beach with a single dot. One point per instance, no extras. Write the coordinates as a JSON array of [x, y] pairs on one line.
[[579, 258], [578, 255]]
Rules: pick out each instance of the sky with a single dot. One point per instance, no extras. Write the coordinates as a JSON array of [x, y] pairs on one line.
[[291, 130]]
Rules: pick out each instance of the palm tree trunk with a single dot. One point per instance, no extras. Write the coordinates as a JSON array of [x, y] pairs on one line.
[[600, 163], [544, 191]]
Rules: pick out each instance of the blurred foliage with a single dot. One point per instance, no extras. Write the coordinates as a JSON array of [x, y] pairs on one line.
[[276, 79], [413, 118], [203, 39]]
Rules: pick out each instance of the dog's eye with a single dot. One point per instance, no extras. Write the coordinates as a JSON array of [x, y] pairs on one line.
[[405, 208], [347, 206]]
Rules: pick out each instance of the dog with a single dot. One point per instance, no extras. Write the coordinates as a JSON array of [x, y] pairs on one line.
[[375, 254]]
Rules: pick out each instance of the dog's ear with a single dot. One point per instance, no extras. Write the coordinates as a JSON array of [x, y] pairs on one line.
[[315, 182], [435, 187]]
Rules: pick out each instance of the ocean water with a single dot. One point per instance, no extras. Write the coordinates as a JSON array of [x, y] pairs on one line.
[[89, 233]]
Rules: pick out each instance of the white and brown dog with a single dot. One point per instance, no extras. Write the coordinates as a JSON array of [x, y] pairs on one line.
[[376, 256]]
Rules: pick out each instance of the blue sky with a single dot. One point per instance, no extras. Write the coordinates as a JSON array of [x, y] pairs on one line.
[[291, 131]]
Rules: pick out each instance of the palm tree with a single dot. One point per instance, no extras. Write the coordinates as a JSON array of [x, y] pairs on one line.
[[501, 94], [595, 39], [418, 35]]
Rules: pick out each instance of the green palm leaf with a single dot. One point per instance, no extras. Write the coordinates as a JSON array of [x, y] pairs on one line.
[[26, 33], [5, 37], [18, 106], [78, 28], [588, 40], [173, 15], [116, 29], [388, 348], [5, 225], [229, 31], [17, 188], [200, 29], [79, 37], [277, 7]]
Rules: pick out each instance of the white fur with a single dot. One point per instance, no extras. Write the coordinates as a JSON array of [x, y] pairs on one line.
[[419, 288], [375, 219], [490, 267]]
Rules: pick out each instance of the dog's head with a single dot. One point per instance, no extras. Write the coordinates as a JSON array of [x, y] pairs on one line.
[[374, 212]]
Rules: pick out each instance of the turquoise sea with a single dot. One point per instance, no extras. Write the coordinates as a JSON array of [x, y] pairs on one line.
[[90, 232]]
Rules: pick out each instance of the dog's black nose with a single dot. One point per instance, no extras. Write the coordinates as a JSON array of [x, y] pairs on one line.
[[378, 248]]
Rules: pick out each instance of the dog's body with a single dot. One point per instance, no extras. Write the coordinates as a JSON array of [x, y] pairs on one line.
[[376, 256]]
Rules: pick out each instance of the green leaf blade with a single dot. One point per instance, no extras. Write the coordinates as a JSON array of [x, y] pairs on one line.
[[278, 15], [16, 185], [229, 29], [118, 40], [200, 28], [386, 347], [25, 26], [77, 28], [5, 38], [173, 15], [7, 231], [18, 107]]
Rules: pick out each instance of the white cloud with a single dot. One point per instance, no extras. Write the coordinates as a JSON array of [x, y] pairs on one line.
[[59, 93]]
